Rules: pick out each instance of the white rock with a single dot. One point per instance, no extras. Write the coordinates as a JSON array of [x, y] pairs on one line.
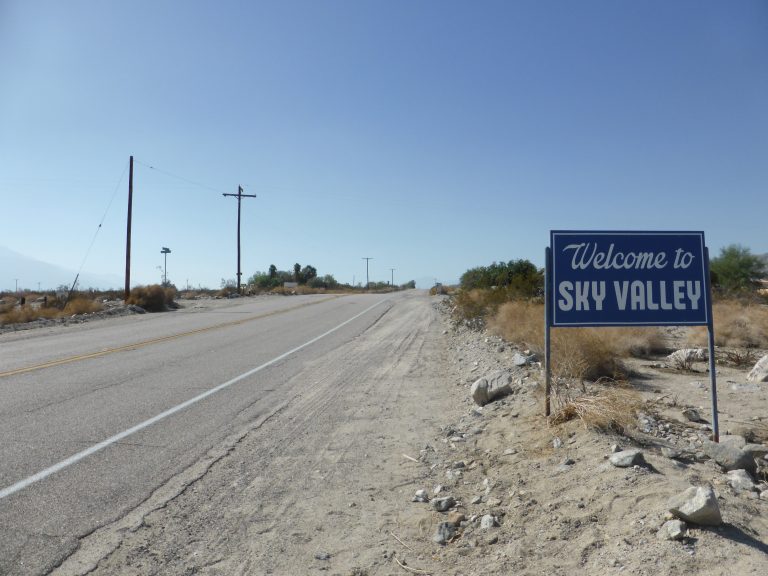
[[491, 387], [627, 458], [672, 530], [487, 522], [760, 371], [687, 356], [697, 505], [421, 496], [741, 481]]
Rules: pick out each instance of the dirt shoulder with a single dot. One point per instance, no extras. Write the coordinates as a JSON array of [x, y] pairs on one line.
[[327, 485]]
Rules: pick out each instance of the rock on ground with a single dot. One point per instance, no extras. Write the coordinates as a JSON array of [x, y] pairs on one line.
[[489, 388], [672, 530], [697, 505], [627, 458], [760, 371], [729, 457]]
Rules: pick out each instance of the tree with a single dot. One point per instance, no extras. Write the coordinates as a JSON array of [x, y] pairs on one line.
[[272, 271], [736, 269], [307, 273], [297, 272]]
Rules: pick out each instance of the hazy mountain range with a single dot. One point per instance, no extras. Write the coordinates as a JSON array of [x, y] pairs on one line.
[[30, 272]]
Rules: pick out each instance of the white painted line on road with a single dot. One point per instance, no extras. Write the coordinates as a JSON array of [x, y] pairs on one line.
[[125, 433]]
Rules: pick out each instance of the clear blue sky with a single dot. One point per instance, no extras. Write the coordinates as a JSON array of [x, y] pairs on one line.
[[433, 136]]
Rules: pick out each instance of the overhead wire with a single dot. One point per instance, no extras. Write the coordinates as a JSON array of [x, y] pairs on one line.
[[101, 222], [182, 178]]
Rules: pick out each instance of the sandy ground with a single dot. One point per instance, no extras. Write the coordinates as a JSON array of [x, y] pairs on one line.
[[326, 486]]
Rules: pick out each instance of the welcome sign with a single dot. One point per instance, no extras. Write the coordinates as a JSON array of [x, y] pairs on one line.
[[628, 279]]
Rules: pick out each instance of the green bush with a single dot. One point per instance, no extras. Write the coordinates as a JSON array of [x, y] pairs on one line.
[[519, 278], [736, 269]]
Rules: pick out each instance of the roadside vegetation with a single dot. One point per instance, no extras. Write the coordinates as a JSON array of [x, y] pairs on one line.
[[507, 298], [37, 306], [739, 323], [305, 280], [153, 298]]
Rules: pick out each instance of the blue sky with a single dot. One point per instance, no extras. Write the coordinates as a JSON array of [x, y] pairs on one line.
[[433, 136]]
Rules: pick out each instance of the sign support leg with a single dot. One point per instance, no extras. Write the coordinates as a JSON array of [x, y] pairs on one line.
[[547, 341], [711, 342], [713, 383]]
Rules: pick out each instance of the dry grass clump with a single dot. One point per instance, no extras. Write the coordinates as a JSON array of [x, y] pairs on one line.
[[577, 353], [737, 325], [611, 409], [15, 314], [24, 314], [521, 322], [481, 302], [80, 306], [154, 298], [585, 354]]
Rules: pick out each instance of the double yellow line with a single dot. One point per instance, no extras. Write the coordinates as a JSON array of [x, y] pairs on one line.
[[144, 343]]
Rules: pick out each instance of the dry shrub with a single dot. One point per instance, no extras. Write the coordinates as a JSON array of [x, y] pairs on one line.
[[738, 324], [585, 354], [152, 298], [521, 322], [27, 313], [481, 302], [611, 409], [82, 306], [577, 353], [638, 342]]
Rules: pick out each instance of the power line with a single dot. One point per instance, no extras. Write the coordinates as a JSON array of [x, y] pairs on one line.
[[101, 222], [182, 178]]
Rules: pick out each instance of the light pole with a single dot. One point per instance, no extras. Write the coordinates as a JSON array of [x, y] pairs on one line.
[[392, 281], [17, 285], [367, 282], [165, 251]]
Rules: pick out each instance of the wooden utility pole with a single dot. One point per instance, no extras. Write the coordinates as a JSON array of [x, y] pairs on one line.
[[367, 282], [128, 234], [239, 197]]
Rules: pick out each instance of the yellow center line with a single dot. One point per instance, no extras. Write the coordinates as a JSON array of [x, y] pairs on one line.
[[152, 341]]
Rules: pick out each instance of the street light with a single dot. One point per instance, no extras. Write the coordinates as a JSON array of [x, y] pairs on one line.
[[165, 251]]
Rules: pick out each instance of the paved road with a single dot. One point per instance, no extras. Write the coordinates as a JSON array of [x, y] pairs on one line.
[[69, 397]]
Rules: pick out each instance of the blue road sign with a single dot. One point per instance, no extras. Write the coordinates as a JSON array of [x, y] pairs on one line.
[[628, 279]]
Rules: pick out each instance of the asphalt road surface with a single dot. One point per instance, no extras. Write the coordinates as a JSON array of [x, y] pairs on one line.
[[97, 419]]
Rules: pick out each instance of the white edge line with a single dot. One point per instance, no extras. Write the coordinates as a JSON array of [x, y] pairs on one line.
[[21, 484]]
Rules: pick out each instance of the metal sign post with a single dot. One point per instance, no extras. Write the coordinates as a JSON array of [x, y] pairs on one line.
[[638, 278], [547, 324], [711, 343]]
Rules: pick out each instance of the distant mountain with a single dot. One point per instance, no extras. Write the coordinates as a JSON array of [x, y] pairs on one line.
[[30, 271]]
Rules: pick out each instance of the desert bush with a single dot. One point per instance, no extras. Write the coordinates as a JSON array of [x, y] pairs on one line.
[[154, 298], [82, 305], [23, 314], [613, 408], [482, 302], [577, 353], [737, 323]]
